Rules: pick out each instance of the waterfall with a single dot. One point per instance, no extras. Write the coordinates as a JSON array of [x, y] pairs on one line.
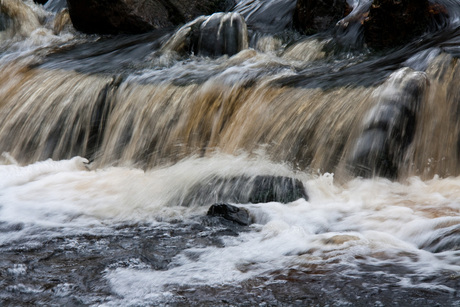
[[232, 159]]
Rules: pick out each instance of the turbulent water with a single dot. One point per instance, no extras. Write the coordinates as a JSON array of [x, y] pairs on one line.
[[103, 141]]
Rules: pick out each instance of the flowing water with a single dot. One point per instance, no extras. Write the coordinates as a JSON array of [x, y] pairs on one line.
[[104, 141]]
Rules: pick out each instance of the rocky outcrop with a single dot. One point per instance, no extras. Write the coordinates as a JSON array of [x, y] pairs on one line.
[[133, 16], [311, 16], [391, 23], [215, 35]]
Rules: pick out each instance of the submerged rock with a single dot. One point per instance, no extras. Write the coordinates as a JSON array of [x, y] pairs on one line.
[[391, 23], [243, 190], [231, 213], [311, 16], [123, 16]]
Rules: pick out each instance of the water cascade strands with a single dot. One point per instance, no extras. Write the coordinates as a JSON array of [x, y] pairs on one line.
[[228, 153]]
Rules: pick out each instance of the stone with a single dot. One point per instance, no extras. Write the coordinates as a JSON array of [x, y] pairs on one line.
[[389, 127], [243, 190], [215, 35], [231, 213], [312, 16], [134, 16], [392, 23], [270, 16]]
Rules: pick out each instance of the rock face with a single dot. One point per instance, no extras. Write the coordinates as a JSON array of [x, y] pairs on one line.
[[392, 23], [311, 16], [135, 16], [243, 190]]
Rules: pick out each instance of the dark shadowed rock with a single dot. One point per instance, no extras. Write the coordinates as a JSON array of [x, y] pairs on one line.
[[134, 16], [40, 1], [389, 127], [392, 23], [267, 15], [311, 16], [242, 190], [231, 213], [215, 35]]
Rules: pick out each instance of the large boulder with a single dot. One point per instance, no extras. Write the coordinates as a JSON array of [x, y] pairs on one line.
[[389, 127], [135, 16], [391, 23], [311, 16], [243, 190]]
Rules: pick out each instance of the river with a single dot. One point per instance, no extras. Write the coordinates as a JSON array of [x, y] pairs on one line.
[[113, 148]]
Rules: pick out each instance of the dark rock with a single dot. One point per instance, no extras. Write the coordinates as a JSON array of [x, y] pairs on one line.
[[231, 213], [133, 16], [220, 34], [40, 1], [267, 15], [392, 23], [215, 35], [389, 127], [242, 190], [311, 16]]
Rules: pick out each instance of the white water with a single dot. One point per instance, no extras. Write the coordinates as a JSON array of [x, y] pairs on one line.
[[376, 220]]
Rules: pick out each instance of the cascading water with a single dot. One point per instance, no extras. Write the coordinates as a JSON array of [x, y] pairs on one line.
[[113, 148]]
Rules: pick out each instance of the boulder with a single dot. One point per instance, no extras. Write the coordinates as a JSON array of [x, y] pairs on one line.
[[134, 16], [389, 127], [231, 213], [243, 190], [270, 16], [215, 35], [312, 16], [391, 23]]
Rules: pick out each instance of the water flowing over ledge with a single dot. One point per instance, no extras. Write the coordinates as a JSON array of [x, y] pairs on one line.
[[113, 148]]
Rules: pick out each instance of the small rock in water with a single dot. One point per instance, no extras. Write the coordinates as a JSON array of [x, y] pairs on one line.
[[231, 213]]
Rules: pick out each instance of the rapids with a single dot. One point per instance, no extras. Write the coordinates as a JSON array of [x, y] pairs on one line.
[[103, 139]]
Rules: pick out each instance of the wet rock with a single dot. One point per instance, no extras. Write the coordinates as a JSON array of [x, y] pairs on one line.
[[231, 213], [242, 190], [311, 16], [392, 23], [267, 15], [389, 127], [215, 35], [123, 16]]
